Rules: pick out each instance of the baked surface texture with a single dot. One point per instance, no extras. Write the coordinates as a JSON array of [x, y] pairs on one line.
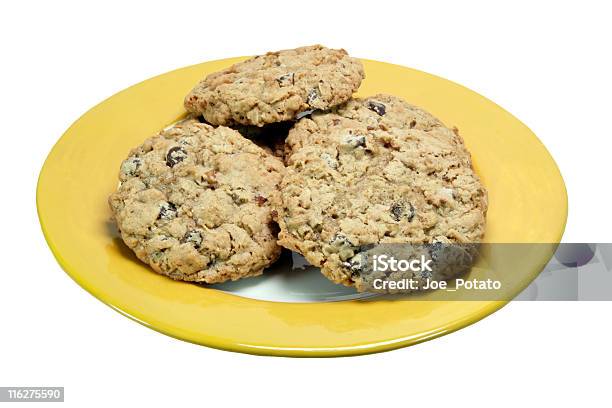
[[194, 203], [276, 87], [375, 171]]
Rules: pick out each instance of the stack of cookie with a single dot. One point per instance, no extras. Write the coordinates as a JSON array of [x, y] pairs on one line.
[[277, 153]]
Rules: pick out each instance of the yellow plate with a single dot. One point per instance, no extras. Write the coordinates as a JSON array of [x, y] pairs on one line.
[[527, 196]]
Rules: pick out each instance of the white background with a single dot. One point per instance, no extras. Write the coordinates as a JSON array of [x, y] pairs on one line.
[[547, 64]]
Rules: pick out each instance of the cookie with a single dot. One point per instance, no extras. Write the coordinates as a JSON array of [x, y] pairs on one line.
[[194, 203], [277, 86], [375, 171]]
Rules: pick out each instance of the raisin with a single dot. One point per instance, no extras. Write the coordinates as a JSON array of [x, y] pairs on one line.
[[194, 237], [398, 210], [357, 265], [286, 80], [313, 95], [167, 211], [260, 200], [377, 107], [411, 212], [131, 165], [175, 155], [354, 264], [340, 240]]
